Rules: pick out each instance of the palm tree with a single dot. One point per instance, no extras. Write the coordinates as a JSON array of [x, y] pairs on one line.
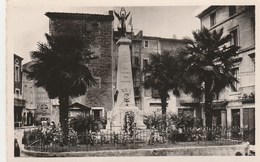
[[207, 61], [60, 67], [162, 74]]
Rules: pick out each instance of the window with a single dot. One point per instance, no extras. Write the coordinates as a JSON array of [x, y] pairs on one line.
[[145, 62], [234, 38], [235, 84], [17, 93], [155, 93], [232, 10], [96, 114], [17, 73], [212, 19], [146, 44], [98, 82], [92, 27], [155, 105]]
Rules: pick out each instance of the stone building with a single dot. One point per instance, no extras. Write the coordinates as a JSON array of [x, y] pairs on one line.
[[236, 107], [39, 107], [97, 30], [150, 98], [19, 103], [28, 96]]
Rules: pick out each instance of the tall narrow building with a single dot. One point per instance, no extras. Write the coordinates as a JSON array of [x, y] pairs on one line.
[[97, 32]]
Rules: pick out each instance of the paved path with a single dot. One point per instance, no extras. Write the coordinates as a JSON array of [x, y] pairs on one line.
[[18, 134]]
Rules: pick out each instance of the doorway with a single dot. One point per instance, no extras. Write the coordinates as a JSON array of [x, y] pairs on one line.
[[249, 124], [235, 130]]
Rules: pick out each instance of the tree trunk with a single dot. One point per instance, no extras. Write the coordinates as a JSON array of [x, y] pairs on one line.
[[164, 105], [64, 103], [208, 108]]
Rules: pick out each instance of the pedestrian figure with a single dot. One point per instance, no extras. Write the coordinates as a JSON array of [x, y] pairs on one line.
[[247, 148], [16, 148], [24, 139]]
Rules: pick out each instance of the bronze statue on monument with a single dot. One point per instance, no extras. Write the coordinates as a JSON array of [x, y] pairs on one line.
[[122, 17]]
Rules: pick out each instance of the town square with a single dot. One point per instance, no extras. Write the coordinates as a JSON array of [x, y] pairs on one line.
[[114, 81]]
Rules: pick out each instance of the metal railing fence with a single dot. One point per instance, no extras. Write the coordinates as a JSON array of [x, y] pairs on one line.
[[52, 141]]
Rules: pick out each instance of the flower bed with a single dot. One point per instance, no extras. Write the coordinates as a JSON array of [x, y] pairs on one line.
[[52, 140]]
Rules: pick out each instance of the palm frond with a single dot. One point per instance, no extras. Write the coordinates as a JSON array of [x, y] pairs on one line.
[[59, 66]]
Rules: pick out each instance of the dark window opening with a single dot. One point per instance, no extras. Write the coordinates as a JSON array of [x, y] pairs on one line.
[[235, 84], [212, 19], [97, 114], [145, 63], [17, 73], [17, 93], [146, 44], [234, 38]]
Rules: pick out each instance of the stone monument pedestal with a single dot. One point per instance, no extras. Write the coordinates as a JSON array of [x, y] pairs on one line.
[[125, 103], [118, 117]]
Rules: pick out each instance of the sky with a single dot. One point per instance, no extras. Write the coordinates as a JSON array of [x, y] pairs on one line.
[[28, 24]]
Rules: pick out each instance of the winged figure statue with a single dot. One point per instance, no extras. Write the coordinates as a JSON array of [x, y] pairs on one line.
[[122, 17]]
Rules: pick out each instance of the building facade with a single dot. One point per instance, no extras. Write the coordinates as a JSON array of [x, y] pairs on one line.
[[141, 47], [97, 33], [151, 102], [29, 97], [19, 103], [235, 107], [39, 107]]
